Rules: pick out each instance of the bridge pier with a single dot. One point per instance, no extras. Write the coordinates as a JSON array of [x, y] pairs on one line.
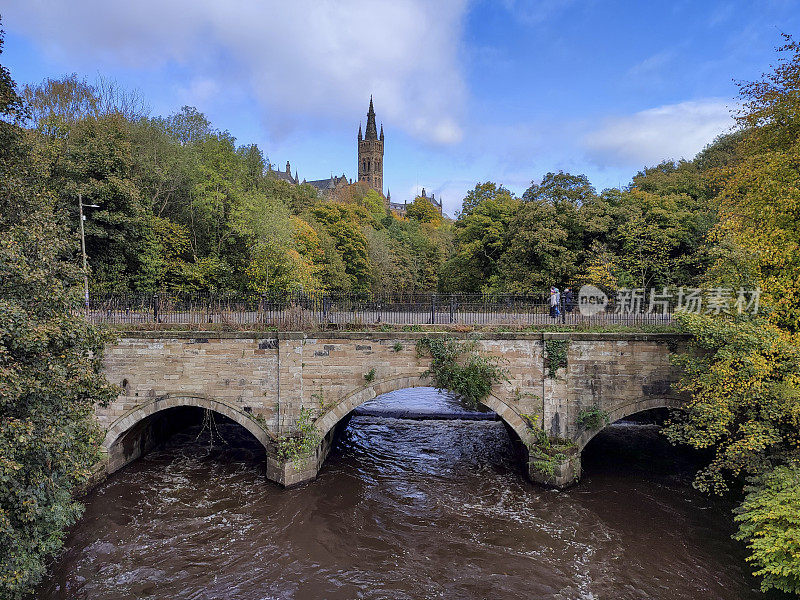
[[289, 473], [565, 473]]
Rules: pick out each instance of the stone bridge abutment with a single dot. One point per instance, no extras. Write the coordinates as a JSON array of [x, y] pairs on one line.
[[263, 381]]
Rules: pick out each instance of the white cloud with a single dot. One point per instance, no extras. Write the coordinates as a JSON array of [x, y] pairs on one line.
[[303, 60], [671, 131]]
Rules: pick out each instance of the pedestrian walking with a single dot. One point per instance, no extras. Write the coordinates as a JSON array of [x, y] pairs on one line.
[[569, 301]]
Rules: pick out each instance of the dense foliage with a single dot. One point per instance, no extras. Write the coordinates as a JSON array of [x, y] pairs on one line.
[[182, 208], [743, 381], [460, 367], [743, 375], [563, 232], [769, 521], [50, 374]]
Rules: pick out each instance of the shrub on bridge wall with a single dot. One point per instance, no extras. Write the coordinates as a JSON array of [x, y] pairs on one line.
[[592, 418], [548, 452], [459, 367], [302, 442]]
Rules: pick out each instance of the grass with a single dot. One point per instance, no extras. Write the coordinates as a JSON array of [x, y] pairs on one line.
[[455, 328]]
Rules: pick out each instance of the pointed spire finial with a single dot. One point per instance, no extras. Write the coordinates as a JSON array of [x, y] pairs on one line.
[[371, 132], [359, 131]]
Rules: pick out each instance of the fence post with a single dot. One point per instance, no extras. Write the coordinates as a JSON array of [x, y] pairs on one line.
[[155, 308], [452, 309], [433, 309]]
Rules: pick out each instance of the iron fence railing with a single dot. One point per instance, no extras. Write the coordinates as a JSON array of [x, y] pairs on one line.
[[300, 310]]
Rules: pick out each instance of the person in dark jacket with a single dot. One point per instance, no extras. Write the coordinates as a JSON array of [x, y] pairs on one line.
[[569, 302]]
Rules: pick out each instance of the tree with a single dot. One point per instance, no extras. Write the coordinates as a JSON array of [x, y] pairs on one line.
[[481, 192], [769, 521], [742, 375], [50, 369], [559, 188], [481, 238], [742, 380], [759, 200], [538, 252], [344, 223], [423, 211]]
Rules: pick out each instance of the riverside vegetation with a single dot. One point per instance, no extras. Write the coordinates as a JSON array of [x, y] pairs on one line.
[[183, 208]]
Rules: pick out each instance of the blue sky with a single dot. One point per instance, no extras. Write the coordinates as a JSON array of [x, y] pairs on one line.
[[467, 91]]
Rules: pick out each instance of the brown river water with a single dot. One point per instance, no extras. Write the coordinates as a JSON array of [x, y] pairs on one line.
[[403, 509]]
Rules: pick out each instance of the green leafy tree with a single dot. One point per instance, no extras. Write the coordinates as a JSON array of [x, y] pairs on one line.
[[344, 223], [561, 188], [50, 369], [538, 252], [481, 192], [481, 239], [742, 380], [423, 211], [769, 521]]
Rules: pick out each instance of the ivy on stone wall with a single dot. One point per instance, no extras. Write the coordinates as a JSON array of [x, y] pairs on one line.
[[458, 366], [556, 355]]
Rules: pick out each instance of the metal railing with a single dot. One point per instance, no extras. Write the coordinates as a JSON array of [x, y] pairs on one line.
[[302, 310]]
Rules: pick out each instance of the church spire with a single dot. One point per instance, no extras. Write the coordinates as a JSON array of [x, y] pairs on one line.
[[381, 131], [372, 131], [360, 137]]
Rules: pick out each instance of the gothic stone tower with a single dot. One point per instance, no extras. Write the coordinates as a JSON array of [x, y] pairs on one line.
[[370, 153]]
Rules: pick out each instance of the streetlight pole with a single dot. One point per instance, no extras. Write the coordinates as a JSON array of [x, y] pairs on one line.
[[83, 250]]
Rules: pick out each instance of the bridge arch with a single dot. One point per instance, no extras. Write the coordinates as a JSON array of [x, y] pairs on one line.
[[626, 410], [114, 444], [329, 420]]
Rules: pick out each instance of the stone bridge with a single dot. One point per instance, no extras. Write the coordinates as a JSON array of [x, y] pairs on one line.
[[263, 380]]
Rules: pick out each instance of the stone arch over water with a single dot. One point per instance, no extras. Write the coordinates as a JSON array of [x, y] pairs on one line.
[[125, 440], [626, 410], [328, 421], [327, 426]]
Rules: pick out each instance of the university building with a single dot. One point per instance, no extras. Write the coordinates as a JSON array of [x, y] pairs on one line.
[[370, 169]]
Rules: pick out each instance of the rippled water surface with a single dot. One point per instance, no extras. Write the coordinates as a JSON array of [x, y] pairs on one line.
[[403, 509]]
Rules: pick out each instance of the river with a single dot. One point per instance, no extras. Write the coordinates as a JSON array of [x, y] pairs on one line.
[[403, 509]]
